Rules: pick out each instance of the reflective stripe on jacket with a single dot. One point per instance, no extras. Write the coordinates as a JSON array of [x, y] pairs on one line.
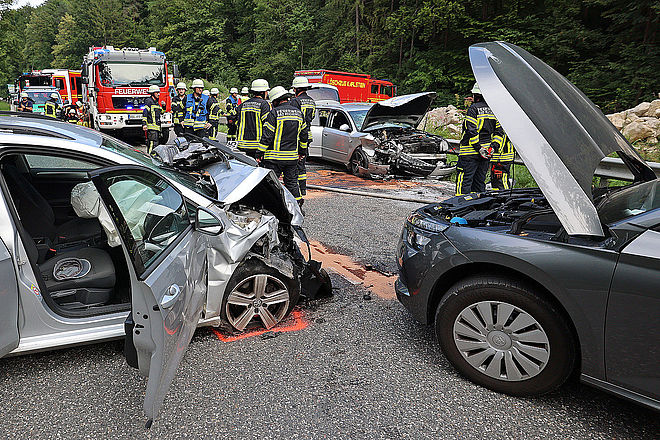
[[308, 108], [50, 108], [504, 151], [285, 134], [214, 110], [178, 109], [197, 111], [251, 116], [151, 114], [478, 129]]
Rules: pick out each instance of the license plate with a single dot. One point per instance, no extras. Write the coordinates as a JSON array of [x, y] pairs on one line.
[[135, 116]]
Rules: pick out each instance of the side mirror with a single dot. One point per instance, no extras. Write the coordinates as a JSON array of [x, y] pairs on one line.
[[84, 80], [345, 127], [207, 222]]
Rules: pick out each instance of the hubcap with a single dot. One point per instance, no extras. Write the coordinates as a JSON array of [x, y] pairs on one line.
[[501, 340], [257, 298]]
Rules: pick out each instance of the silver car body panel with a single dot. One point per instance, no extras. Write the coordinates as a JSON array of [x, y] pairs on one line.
[[9, 300], [559, 133]]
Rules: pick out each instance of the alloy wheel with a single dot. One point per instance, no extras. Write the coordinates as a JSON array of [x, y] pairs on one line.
[[501, 340], [259, 297]]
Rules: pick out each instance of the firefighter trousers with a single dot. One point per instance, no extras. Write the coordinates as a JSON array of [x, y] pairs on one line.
[[214, 131], [289, 170], [200, 132], [178, 129], [499, 175], [471, 177], [153, 136], [302, 175], [231, 132]]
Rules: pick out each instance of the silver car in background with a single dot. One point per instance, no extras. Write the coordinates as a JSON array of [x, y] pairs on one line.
[[380, 139]]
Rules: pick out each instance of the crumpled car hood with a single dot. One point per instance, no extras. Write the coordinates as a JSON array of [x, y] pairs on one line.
[[559, 133], [235, 182], [405, 109]]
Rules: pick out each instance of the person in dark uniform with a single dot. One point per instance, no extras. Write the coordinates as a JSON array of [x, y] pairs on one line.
[[308, 108], [26, 103], [196, 117], [502, 160], [151, 118], [50, 106], [476, 147], [251, 116], [284, 140], [179, 108], [231, 104], [214, 113]]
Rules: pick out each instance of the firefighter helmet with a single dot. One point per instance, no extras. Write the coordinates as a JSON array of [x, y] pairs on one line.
[[277, 93], [24, 95], [475, 89], [233, 90], [55, 95], [300, 82], [79, 104], [181, 85], [154, 88], [215, 91], [244, 91], [197, 83], [259, 85], [206, 92]]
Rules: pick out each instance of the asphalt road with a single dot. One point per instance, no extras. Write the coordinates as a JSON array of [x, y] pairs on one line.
[[361, 369]]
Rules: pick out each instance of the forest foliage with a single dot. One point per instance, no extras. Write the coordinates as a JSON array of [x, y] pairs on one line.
[[608, 48]]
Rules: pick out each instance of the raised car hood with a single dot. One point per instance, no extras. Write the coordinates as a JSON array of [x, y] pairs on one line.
[[559, 133], [405, 109]]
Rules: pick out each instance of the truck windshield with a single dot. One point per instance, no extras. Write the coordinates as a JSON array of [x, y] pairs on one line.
[[41, 97], [131, 74]]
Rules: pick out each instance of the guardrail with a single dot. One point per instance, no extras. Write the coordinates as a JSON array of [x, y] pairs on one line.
[[609, 167]]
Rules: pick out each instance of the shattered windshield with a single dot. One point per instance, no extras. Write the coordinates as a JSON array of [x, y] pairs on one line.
[[131, 74], [630, 201], [358, 116], [155, 164]]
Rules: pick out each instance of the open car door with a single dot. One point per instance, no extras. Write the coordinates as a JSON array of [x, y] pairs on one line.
[[9, 300], [167, 267]]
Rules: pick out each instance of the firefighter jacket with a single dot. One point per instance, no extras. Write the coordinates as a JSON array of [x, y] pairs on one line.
[[151, 114], [50, 108], [214, 111], [197, 111], [478, 129], [285, 134], [308, 108], [502, 145], [178, 109], [25, 105], [251, 116], [231, 105]]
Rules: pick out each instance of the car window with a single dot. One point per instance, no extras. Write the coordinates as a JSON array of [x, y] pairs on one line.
[[153, 212], [629, 202], [322, 116], [58, 163], [339, 118]]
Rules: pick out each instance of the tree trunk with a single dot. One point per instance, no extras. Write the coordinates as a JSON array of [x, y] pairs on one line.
[[357, 29]]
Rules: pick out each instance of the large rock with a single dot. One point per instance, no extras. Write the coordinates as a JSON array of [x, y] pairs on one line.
[[453, 129], [640, 109], [654, 123], [617, 119], [638, 130], [630, 117], [654, 109]]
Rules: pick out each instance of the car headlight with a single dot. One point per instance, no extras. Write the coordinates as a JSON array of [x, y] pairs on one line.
[[246, 219], [421, 222]]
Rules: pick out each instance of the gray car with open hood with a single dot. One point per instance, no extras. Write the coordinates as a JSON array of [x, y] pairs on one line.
[[524, 286]]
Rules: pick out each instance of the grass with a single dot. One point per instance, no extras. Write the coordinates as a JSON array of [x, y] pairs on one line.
[[4, 105]]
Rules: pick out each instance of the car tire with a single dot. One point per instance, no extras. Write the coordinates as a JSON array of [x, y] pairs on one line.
[[260, 312], [359, 159], [529, 350]]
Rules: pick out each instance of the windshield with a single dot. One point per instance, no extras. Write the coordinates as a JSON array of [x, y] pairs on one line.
[[323, 94], [131, 74], [358, 116], [630, 201], [153, 163], [41, 97]]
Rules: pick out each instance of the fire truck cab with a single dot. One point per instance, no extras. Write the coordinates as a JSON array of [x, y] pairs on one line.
[[352, 87], [115, 86], [67, 82]]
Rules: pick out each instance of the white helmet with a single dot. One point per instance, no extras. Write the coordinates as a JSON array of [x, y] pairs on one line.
[[300, 82], [259, 85], [215, 91], [277, 92], [181, 85], [24, 95], [244, 91], [197, 83], [54, 95], [476, 89], [206, 92], [154, 88], [233, 90], [79, 103]]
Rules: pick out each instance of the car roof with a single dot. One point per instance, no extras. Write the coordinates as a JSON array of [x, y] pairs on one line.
[[20, 123]]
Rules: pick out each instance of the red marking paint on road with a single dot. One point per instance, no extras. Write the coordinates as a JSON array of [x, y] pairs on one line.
[[295, 322]]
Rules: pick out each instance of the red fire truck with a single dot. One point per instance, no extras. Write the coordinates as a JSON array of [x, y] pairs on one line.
[[116, 84], [67, 82], [353, 87]]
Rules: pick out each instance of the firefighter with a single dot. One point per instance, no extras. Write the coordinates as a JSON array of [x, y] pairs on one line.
[[231, 104], [197, 111], [50, 106], [151, 118], [214, 113], [25, 104], [476, 147], [83, 114], [284, 140], [179, 108], [502, 160], [244, 94], [302, 101], [251, 115]]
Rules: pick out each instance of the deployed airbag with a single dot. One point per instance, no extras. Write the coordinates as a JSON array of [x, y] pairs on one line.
[[87, 203]]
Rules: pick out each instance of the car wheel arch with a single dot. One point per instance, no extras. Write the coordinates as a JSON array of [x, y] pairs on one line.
[[456, 274]]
